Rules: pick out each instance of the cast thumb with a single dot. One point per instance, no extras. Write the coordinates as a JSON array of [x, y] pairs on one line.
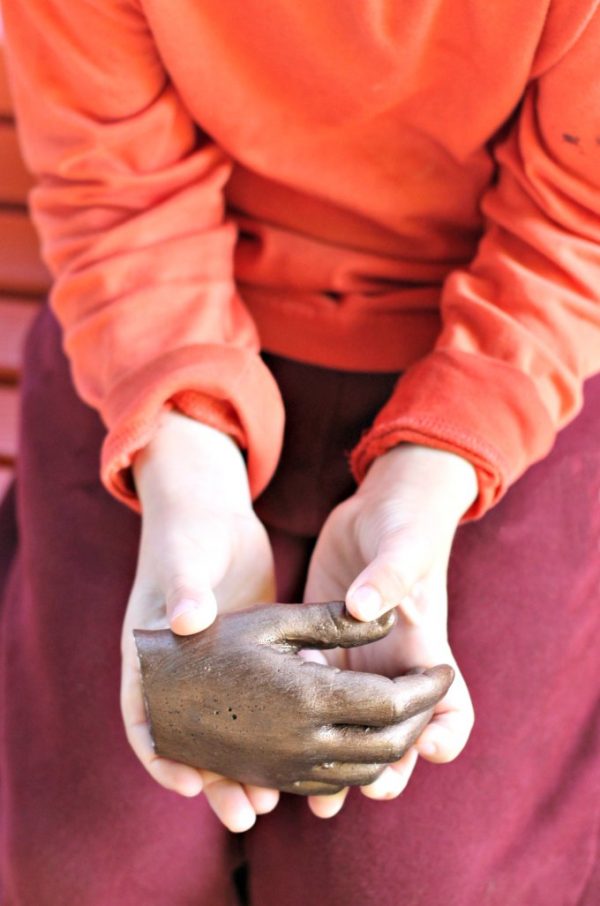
[[325, 625], [390, 580], [191, 603]]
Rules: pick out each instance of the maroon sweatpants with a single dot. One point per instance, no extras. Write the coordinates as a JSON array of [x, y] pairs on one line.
[[513, 822]]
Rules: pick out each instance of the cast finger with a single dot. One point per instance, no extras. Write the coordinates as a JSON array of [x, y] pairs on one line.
[[350, 697], [369, 745], [311, 788], [345, 774], [325, 625]]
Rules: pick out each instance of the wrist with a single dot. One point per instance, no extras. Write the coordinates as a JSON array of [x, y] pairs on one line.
[[450, 478], [186, 456]]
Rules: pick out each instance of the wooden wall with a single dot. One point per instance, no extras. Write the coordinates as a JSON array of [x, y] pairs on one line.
[[24, 280]]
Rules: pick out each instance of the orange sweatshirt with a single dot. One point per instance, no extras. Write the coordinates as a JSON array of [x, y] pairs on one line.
[[366, 185]]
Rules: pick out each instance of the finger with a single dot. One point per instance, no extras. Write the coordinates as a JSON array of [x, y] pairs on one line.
[[314, 655], [389, 580], [445, 738], [324, 625], [261, 799], [369, 745], [229, 802], [393, 781], [447, 734], [327, 806], [179, 778], [350, 697], [191, 605], [386, 786], [435, 684]]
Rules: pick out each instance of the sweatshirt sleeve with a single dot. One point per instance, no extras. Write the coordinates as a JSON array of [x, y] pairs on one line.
[[521, 324], [129, 207]]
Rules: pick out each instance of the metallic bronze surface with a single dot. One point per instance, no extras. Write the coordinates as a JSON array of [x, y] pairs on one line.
[[239, 700]]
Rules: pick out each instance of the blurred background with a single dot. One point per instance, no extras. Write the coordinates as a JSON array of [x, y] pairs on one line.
[[24, 280]]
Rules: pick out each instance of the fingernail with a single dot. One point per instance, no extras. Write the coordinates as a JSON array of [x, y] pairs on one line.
[[367, 602], [242, 821], [186, 607], [190, 788], [386, 786], [427, 748]]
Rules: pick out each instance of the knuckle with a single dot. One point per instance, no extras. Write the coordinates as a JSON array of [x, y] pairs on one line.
[[392, 750], [391, 710], [371, 774], [335, 619], [392, 576], [398, 704], [304, 698], [181, 586], [397, 577], [401, 739]]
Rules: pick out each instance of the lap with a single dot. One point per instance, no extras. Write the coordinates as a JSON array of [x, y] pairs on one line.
[[514, 819], [81, 820], [509, 822]]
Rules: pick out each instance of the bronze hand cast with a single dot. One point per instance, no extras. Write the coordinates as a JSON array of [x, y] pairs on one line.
[[238, 699]]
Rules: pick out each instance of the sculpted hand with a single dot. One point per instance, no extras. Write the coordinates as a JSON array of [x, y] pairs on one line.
[[201, 547], [237, 698], [388, 547]]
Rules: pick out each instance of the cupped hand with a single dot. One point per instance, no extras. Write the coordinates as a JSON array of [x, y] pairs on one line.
[[387, 547], [237, 698], [201, 548]]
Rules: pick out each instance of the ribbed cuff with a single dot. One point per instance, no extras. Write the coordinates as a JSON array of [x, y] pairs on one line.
[[228, 388], [479, 408]]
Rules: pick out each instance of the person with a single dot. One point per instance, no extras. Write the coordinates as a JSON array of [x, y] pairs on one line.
[[381, 220]]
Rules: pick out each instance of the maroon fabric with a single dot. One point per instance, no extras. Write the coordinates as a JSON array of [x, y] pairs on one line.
[[513, 822]]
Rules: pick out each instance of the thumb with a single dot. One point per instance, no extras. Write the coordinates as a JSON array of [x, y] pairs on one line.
[[391, 579], [326, 625], [191, 603]]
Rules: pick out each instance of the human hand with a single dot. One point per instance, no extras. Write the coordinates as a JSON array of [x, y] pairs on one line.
[[201, 547], [387, 546], [237, 698]]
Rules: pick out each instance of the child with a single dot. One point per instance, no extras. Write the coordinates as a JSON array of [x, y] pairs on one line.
[[382, 220]]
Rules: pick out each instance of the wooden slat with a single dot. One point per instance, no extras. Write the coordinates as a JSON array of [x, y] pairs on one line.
[[5, 99], [15, 180], [9, 410], [6, 476], [21, 271], [21, 268], [16, 316]]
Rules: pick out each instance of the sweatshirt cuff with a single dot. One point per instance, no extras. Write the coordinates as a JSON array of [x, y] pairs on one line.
[[479, 408], [228, 388]]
